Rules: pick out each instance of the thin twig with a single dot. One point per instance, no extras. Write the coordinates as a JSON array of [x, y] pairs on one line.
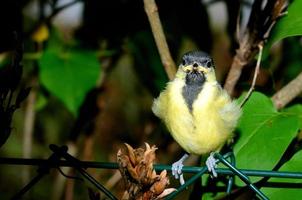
[[288, 92], [48, 19], [160, 39], [259, 26], [238, 26], [29, 121], [113, 180], [249, 93], [59, 9]]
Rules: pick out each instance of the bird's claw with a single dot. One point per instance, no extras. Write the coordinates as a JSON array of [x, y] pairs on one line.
[[211, 164], [177, 169]]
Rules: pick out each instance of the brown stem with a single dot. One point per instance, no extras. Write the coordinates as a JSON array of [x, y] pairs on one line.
[[88, 152], [113, 180], [69, 190], [247, 96], [29, 121], [160, 39], [234, 74], [288, 92]]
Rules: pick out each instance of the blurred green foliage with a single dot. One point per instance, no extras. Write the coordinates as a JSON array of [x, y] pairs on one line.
[[68, 71]]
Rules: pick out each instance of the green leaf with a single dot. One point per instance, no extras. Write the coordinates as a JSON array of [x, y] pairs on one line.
[[68, 73], [297, 111], [293, 165], [208, 196], [289, 25], [264, 134]]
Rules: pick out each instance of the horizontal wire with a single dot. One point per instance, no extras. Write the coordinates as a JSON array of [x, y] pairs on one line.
[[112, 165]]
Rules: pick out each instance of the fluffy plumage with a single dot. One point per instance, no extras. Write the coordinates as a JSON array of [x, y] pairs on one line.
[[199, 114]]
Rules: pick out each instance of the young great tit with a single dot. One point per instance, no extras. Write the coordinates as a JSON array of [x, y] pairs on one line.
[[197, 111]]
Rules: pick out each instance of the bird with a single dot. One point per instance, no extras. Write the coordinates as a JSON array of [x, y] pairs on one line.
[[197, 111]]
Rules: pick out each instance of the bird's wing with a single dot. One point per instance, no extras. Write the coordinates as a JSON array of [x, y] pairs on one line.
[[230, 112], [159, 104]]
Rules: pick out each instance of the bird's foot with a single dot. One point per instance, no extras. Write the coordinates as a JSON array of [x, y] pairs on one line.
[[211, 164], [177, 169]]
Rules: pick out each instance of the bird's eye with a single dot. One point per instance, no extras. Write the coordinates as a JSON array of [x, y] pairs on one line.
[[183, 62], [209, 64]]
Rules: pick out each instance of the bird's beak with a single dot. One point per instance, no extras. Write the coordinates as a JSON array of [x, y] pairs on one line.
[[195, 68]]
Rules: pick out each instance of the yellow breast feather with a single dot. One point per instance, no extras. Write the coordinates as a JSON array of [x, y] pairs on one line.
[[208, 127], [215, 116], [171, 108]]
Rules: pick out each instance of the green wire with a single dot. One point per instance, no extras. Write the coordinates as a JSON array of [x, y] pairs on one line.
[[187, 183], [243, 177], [198, 171]]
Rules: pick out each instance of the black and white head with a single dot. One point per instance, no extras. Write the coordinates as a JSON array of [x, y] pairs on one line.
[[196, 67]]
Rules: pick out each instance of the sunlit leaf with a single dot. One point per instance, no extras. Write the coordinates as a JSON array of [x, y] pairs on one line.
[[264, 134]]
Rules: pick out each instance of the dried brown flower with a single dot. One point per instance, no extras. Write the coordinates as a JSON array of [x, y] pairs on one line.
[[142, 182]]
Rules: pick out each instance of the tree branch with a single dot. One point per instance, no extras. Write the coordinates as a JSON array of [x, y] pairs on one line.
[[288, 92], [259, 27], [160, 39]]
